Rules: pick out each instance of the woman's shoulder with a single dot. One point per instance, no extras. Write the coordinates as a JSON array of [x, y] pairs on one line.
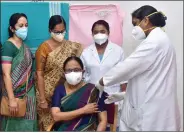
[[9, 46], [43, 47], [59, 87], [8, 43], [77, 47], [115, 45], [91, 85]]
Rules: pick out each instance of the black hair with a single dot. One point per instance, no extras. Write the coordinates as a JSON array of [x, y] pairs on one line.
[[73, 58], [101, 22], [157, 19], [54, 20], [13, 20]]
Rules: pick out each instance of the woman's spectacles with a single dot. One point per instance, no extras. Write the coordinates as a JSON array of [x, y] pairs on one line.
[[73, 70], [59, 32]]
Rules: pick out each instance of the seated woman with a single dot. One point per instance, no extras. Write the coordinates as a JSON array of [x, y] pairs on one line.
[[76, 106]]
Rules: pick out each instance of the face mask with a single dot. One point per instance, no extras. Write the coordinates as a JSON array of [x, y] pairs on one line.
[[73, 78], [22, 33], [138, 33], [58, 37], [100, 38]]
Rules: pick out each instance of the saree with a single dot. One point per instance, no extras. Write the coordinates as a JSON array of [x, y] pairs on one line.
[[78, 99], [53, 73], [21, 68]]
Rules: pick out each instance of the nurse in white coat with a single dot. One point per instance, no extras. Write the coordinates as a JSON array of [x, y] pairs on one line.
[[101, 56], [151, 102]]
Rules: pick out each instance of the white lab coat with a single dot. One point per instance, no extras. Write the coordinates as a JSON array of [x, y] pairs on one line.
[[151, 96], [95, 69]]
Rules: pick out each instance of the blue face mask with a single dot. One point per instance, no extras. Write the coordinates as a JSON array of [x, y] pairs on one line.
[[22, 33]]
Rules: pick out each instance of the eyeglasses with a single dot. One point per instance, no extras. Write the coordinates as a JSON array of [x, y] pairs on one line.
[[73, 70], [59, 32]]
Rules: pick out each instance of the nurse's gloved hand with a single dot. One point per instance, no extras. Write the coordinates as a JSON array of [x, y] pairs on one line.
[[100, 88], [112, 98]]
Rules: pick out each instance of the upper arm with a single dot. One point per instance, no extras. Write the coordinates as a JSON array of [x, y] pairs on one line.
[[56, 101], [138, 62], [7, 54], [56, 98], [102, 116], [41, 56], [101, 103]]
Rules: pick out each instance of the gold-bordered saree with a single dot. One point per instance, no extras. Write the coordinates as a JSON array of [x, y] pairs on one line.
[[53, 72]]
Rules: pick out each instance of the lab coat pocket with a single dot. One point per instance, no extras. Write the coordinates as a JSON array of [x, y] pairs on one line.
[[132, 116]]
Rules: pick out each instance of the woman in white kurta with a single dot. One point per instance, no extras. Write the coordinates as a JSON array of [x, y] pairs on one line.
[[101, 56], [151, 96]]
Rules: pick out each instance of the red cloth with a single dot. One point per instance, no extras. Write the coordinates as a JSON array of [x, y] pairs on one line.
[[110, 112], [110, 108]]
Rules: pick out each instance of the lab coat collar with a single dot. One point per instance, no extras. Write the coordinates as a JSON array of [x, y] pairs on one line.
[[154, 31], [108, 50]]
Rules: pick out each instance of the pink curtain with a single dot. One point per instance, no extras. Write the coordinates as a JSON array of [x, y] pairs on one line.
[[82, 18]]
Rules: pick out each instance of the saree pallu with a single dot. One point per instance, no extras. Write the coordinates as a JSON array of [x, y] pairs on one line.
[[21, 67], [53, 73], [78, 99]]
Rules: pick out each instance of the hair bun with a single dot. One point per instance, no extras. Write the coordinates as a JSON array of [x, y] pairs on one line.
[[163, 15]]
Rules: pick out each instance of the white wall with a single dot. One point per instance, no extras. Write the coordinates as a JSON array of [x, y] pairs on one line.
[[174, 28]]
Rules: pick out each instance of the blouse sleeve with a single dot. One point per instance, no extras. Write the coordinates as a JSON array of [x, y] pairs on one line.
[[77, 49], [8, 51], [57, 96], [101, 103], [41, 56]]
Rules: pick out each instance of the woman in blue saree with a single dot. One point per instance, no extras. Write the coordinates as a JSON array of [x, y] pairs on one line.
[[76, 105]]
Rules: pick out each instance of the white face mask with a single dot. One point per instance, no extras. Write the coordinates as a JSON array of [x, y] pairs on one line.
[[138, 33], [73, 78], [100, 38], [58, 37]]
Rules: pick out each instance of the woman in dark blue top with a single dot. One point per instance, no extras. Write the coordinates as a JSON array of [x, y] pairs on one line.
[[76, 105]]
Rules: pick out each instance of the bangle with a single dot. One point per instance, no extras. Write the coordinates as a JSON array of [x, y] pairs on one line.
[[43, 102]]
